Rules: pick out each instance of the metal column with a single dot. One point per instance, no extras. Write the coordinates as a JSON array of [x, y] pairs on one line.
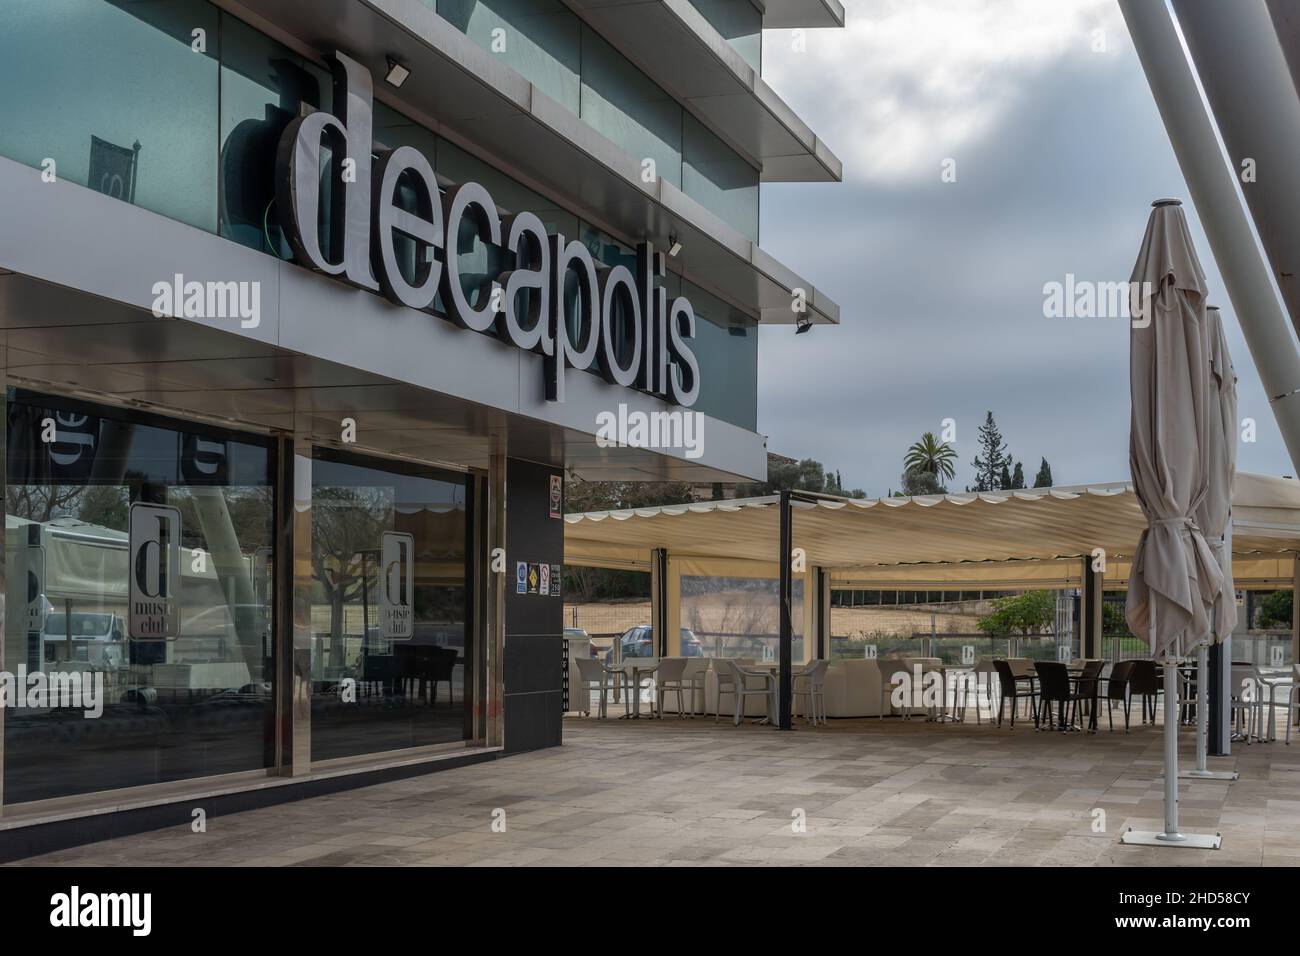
[[659, 602], [1213, 185], [1090, 616], [787, 630], [295, 631]]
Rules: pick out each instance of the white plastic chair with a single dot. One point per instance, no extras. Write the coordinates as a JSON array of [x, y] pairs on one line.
[[1290, 684], [697, 669], [811, 683], [1248, 691], [600, 678], [731, 674], [670, 680]]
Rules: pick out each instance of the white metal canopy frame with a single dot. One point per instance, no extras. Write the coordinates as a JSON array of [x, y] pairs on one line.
[[987, 537]]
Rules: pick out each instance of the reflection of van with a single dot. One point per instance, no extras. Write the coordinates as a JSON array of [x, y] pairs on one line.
[[96, 637]]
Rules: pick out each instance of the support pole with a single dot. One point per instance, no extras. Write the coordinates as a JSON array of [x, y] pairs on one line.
[[786, 690], [1206, 694], [1171, 833], [822, 619], [1170, 836], [1090, 608], [1202, 711]]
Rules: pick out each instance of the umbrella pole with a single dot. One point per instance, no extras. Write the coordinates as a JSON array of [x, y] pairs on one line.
[[1202, 710], [1171, 833], [1203, 691], [1170, 837]]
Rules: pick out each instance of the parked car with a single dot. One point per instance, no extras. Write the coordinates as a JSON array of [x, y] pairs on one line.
[[639, 642], [96, 637]]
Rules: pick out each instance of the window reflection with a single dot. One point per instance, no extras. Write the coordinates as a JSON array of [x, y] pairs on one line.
[[375, 686], [116, 94], [195, 706]]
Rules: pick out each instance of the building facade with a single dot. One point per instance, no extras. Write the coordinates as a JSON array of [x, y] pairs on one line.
[[309, 311]]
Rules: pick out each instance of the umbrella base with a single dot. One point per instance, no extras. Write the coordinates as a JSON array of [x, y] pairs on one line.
[[1195, 841], [1208, 775]]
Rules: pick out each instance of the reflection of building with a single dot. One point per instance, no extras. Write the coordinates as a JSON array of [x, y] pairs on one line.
[[295, 383]]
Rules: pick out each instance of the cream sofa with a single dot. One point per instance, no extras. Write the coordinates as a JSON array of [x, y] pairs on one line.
[[853, 689]]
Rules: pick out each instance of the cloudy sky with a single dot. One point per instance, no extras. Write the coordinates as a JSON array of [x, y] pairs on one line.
[[1059, 151]]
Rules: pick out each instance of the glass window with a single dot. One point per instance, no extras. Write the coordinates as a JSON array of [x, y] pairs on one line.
[[538, 39], [389, 665], [718, 179], [740, 24], [740, 617], [726, 346], [197, 705], [263, 86], [116, 95], [628, 108]]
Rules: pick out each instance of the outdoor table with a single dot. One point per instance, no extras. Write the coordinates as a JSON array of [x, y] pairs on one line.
[[636, 667], [770, 674], [940, 714]]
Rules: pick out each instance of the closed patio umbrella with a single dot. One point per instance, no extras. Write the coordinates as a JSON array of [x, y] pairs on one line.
[[1214, 517], [1175, 576]]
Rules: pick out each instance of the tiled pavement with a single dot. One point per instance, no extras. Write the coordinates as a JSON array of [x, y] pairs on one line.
[[689, 792]]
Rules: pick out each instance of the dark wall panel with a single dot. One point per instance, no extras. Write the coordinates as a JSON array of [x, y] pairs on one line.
[[534, 622]]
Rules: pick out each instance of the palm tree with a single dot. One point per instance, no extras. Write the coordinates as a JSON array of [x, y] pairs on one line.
[[931, 455]]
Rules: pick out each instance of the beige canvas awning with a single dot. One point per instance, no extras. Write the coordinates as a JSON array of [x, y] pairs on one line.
[[1034, 537]]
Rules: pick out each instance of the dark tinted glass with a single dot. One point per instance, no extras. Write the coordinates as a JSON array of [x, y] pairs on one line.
[[152, 711], [375, 686]]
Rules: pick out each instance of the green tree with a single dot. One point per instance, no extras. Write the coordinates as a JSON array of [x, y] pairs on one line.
[[919, 482], [1274, 610], [1018, 477], [806, 475], [1044, 477], [990, 463], [1113, 619], [1032, 612], [1004, 479], [580, 496], [931, 456]]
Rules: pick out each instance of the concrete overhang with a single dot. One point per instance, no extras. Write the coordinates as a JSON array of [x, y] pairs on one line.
[[77, 273], [672, 42], [789, 14], [463, 92]]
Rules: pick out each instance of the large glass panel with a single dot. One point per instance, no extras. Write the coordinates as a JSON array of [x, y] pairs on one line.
[[116, 94], [718, 179], [726, 346], [538, 39], [390, 666], [740, 24], [630, 109], [263, 87], [739, 617], [193, 706]]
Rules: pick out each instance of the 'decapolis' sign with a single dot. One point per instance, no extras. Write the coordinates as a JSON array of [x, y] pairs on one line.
[[624, 324]]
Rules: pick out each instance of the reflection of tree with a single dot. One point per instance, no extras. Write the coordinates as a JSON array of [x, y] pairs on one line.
[[104, 505], [40, 502], [346, 522]]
